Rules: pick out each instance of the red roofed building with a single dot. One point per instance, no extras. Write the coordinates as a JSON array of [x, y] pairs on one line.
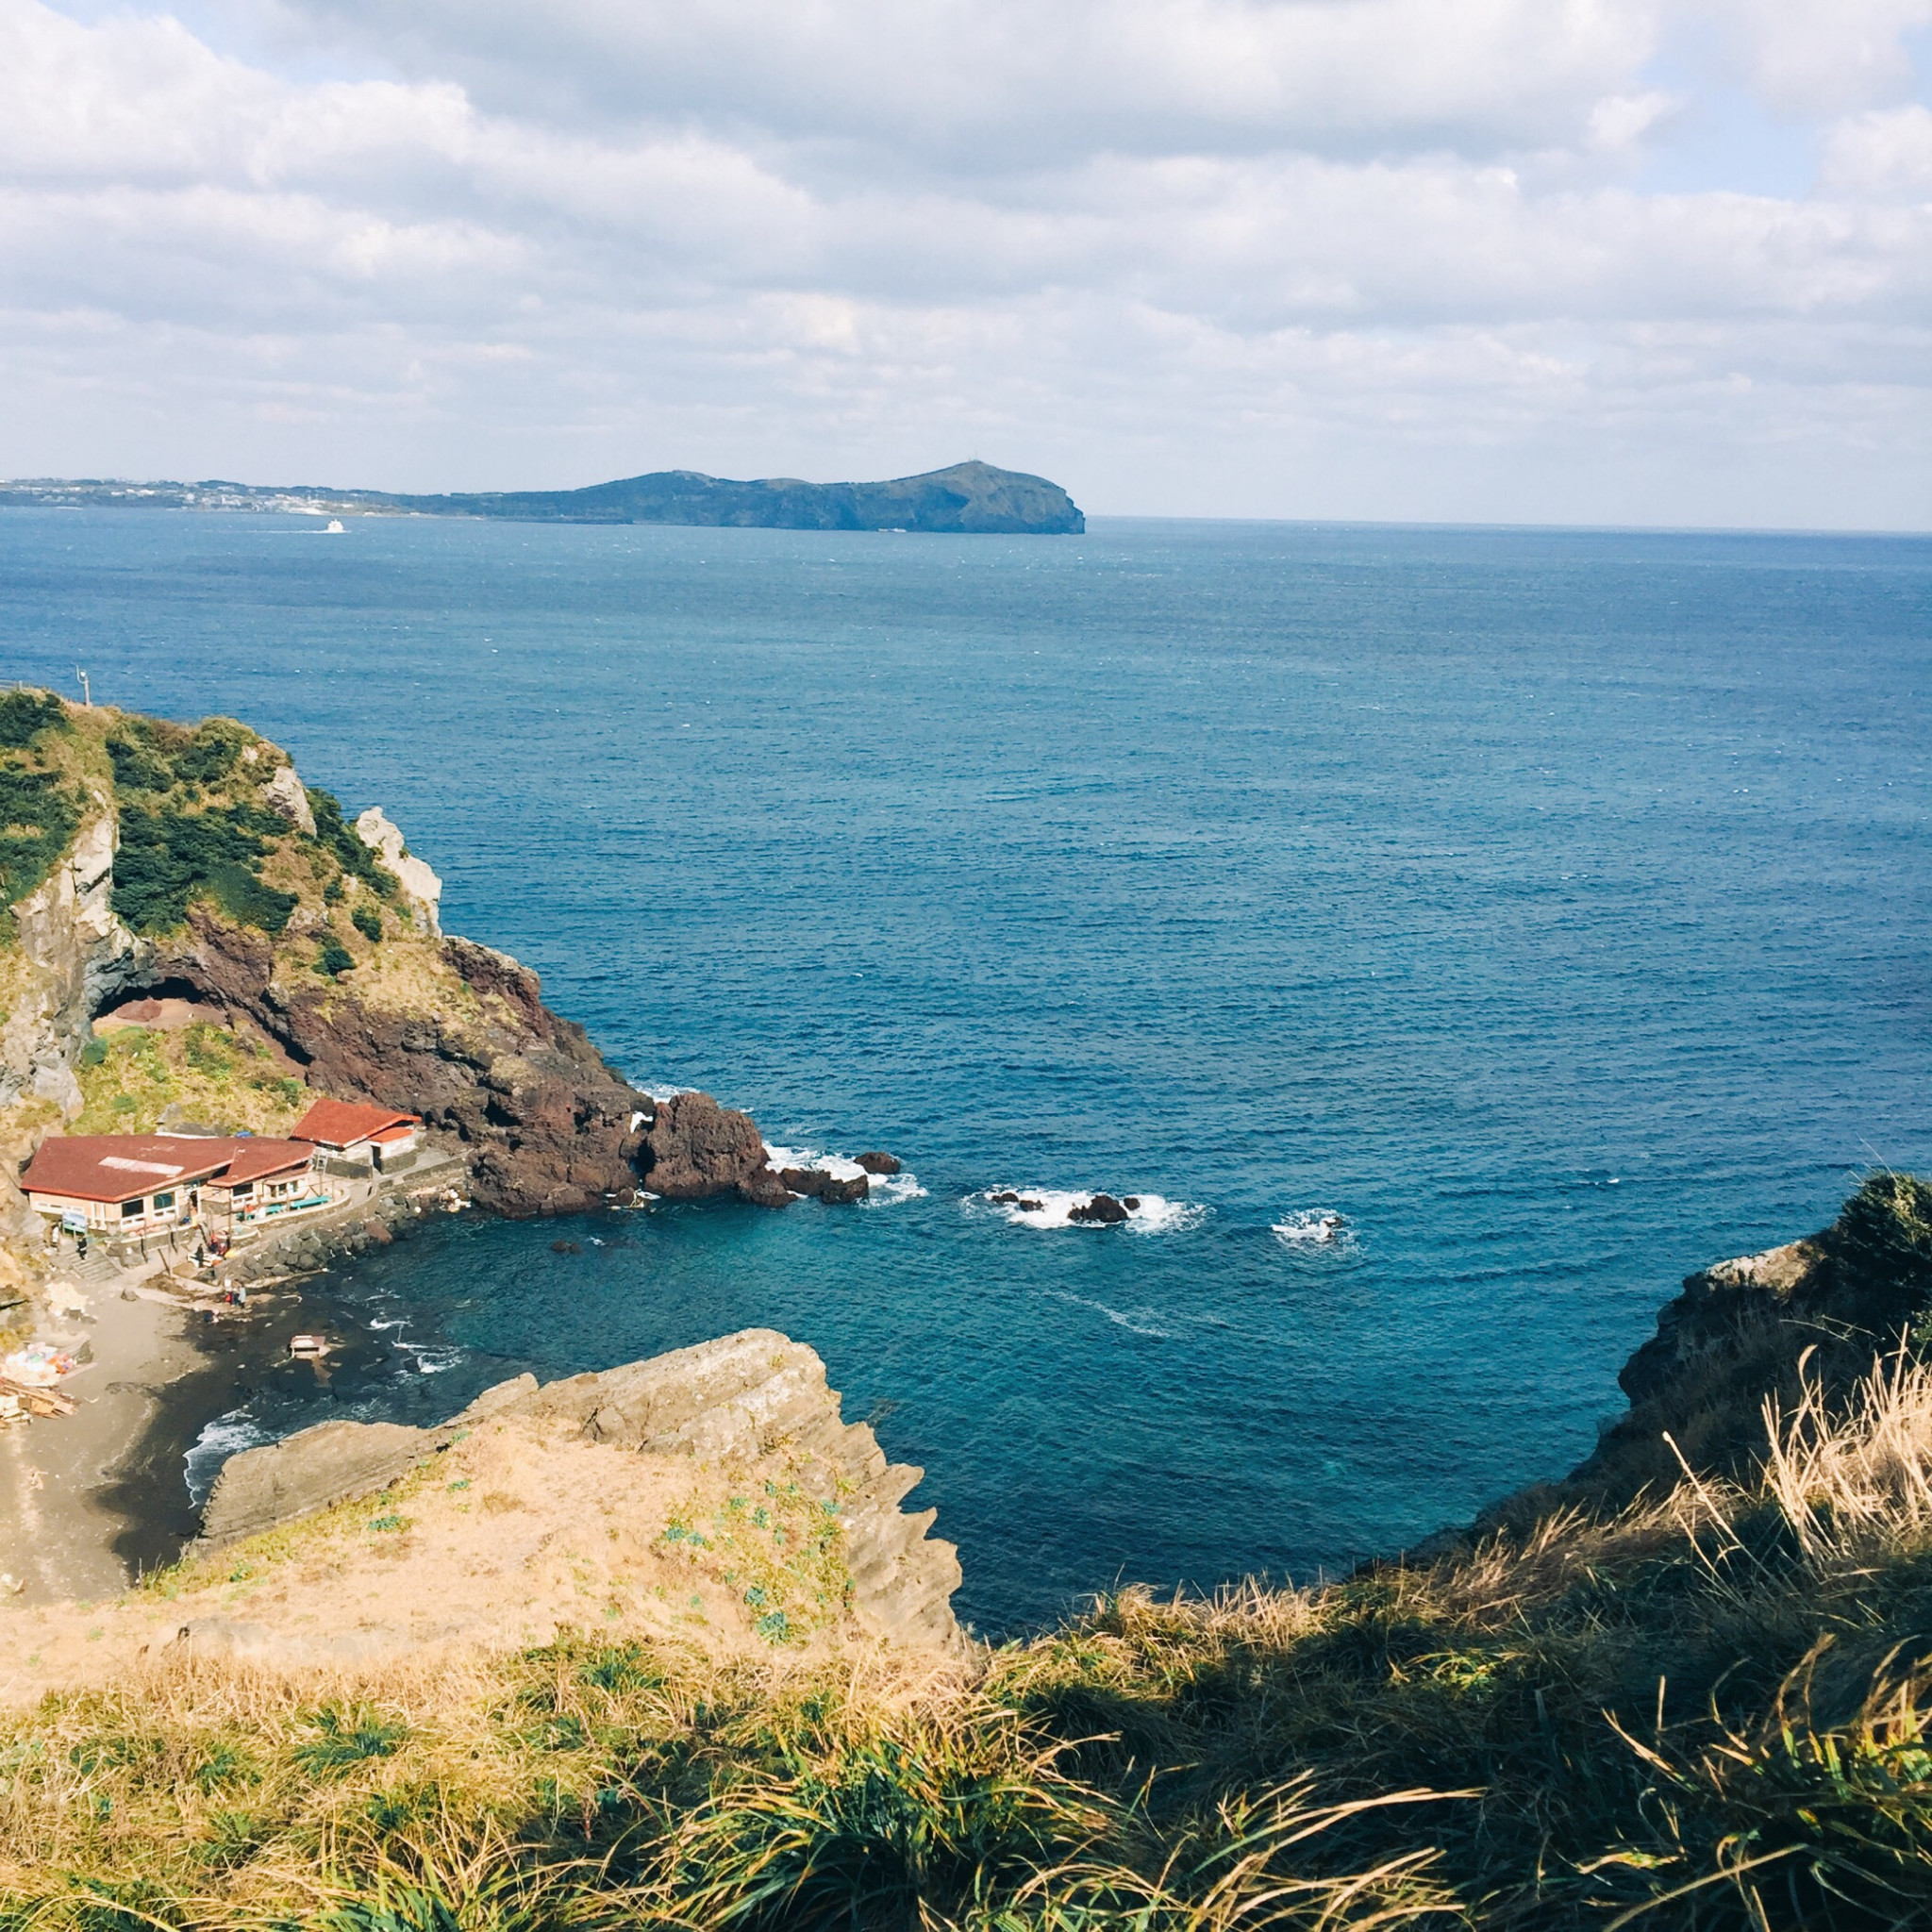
[[116, 1184], [359, 1132]]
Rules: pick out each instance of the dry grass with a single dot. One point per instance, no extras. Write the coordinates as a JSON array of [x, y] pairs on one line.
[[1855, 1484], [1710, 1709]]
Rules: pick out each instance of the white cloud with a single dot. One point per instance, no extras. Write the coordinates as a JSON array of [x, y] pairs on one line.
[[1882, 154], [1214, 255]]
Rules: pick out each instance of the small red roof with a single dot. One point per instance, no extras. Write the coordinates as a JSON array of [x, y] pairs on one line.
[[124, 1167], [256, 1159], [343, 1123]]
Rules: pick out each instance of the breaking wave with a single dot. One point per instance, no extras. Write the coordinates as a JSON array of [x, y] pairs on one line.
[[884, 1190], [1046, 1207], [226, 1435], [1314, 1228]]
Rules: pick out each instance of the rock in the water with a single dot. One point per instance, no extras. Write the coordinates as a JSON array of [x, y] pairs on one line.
[[822, 1186], [697, 1148], [877, 1163], [1131, 1203], [1103, 1211]]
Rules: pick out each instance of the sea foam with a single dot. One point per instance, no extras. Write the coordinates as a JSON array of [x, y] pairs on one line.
[[1050, 1208], [1314, 1228], [884, 1190]]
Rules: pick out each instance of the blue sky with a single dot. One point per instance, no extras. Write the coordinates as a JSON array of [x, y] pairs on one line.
[[1569, 261]]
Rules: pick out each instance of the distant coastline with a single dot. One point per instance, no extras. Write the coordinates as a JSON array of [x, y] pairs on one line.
[[968, 499]]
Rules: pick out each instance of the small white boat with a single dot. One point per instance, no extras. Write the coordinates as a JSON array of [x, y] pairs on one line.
[[335, 528]]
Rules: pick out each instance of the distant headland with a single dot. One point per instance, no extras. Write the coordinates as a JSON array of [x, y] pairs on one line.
[[967, 499]]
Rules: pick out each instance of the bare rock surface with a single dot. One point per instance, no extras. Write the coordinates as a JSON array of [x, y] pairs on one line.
[[261, 1489], [285, 796], [420, 886], [729, 1402], [698, 1149]]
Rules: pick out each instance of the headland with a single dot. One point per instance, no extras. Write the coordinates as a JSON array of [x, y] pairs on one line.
[[967, 499], [659, 1644]]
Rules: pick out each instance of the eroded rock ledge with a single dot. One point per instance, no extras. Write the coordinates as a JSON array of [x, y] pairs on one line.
[[729, 1403]]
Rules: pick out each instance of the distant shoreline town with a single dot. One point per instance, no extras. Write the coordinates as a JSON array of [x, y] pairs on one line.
[[968, 499]]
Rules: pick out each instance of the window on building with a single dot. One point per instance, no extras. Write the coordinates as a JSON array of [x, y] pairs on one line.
[[162, 1203], [133, 1210]]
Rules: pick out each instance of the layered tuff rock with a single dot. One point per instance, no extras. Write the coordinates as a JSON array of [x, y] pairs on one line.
[[729, 1403]]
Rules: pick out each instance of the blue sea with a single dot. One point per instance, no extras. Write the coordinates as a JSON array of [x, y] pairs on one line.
[[1453, 936]]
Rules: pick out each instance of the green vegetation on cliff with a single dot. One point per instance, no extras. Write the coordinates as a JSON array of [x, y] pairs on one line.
[[1709, 1707], [194, 819], [130, 1077], [39, 808]]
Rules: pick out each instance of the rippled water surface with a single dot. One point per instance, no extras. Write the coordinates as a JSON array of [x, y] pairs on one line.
[[1550, 907]]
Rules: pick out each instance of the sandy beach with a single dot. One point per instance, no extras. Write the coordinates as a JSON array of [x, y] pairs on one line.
[[90, 1500]]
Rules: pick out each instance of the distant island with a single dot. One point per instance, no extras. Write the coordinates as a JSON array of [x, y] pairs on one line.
[[968, 499]]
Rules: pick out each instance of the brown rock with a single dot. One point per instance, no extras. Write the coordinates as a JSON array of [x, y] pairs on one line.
[[545, 1120], [821, 1186], [1102, 1211], [696, 1149], [877, 1163]]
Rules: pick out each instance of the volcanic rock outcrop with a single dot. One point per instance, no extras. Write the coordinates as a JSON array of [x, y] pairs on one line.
[[729, 1403], [326, 942]]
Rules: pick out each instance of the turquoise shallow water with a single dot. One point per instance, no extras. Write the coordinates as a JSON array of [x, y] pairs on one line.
[[1551, 906]]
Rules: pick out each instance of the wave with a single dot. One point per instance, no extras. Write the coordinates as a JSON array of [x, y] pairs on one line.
[[883, 1191], [1133, 1320], [226, 1435], [1314, 1228], [1049, 1208]]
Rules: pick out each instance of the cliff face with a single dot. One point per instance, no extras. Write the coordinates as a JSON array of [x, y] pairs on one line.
[[752, 1408], [1814, 1311], [201, 868]]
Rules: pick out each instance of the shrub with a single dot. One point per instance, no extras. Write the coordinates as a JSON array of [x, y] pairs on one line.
[[336, 835], [1884, 1235], [38, 815], [211, 752], [136, 769], [170, 857], [25, 714], [368, 922], [332, 956]]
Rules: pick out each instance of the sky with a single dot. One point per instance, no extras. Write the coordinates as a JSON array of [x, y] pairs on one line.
[[1596, 262]]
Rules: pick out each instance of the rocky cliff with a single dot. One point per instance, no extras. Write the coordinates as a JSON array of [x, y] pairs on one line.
[[733, 1405], [1755, 1329], [193, 863]]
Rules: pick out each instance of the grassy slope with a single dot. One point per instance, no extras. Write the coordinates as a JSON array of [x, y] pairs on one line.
[[195, 832], [128, 1077], [1710, 1705]]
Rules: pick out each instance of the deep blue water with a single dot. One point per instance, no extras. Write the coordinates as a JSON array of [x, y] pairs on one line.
[[1552, 906]]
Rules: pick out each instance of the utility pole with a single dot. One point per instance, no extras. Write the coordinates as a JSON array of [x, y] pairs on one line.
[[87, 696]]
